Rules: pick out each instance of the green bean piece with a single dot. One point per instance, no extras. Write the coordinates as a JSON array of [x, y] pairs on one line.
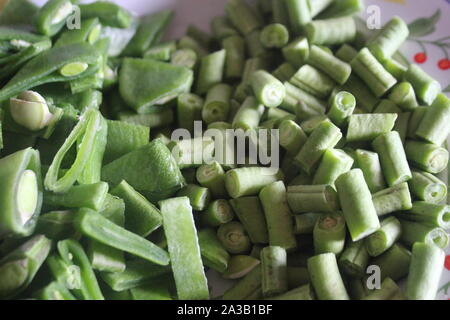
[[268, 90], [303, 292], [299, 14], [392, 157], [222, 28], [284, 72], [186, 57], [105, 258], [388, 291], [357, 205], [342, 8], [212, 176], [299, 198], [427, 263], [394, 263], [274, 35], [336, 69], [434, 126], [280, 12], [366, 66], [54, 291], [189, 109], [21, 193], [211, 71], [404, 96], [165, 80], [217, 103], [247, 288], [435, 215], [334, 163], [151, 170], [90, 196], [396, 198], [51, 18], [395, 68], [389, 40], [161, 52], [427, 187], [325, 277], [416, 118], [141, 216], [313, 81], [190, 44], [329, 234], [239, 266], [249, 181], [213, 252], [426, 88], [304, 223], [354, 259], [194, 152], [97, 227], [89, 32], [234, 238], [302, 103], [384, 238], [274, 271], [292, 137], [370, 165], [333, 31], [235, 56], [366, 127], [342, 106], [156, 119], [364, 96], [346, 53], [137, 273], [251, 214], [296, 52], [184, 250], [56, 225], [242, 16], [199, 197], [278, 215], [413, 232], [425, 156], [324, 137], [401, 125], [19, 267]]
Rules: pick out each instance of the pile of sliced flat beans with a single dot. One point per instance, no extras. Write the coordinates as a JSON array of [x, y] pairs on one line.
[[93, 207]]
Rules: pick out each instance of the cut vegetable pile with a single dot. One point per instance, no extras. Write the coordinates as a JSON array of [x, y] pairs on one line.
[[98, 200]]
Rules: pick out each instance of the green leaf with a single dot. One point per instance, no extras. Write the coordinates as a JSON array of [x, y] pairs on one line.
[[424, 26], [447, 89]]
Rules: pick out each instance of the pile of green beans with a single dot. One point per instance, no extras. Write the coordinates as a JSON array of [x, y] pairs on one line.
[[97, 201]]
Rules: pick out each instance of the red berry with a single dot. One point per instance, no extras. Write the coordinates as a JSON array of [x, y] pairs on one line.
[[447, 262], [421, 57], [444, 64]]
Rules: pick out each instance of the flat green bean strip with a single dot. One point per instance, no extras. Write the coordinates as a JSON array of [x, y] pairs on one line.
[[51, 17], [274, 271], [184, 250], [403, 95], [427, 263], [97, 227], [357, 205], [234, 238], [426, 88], [300, 197], [217, 103], [435, 127], [199, 197], [242, 16], [325, 277], [251, 214], [394, 263], [383, 238], [329, 234], [370, 165], [427, 187], [334, 163], [354, 259], [425, 156], [430, 214], [296, 52], [395, 198], [268, 90], [324, 137], [141, 217], [331, 31], [299, 14], [213, 253], [366, 66], [247, 288], [417, 232], [235, 57], [137, 272], [388, 291], [278, 216], [313, 81], [392, 157], [389, 40], [90, 196]]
